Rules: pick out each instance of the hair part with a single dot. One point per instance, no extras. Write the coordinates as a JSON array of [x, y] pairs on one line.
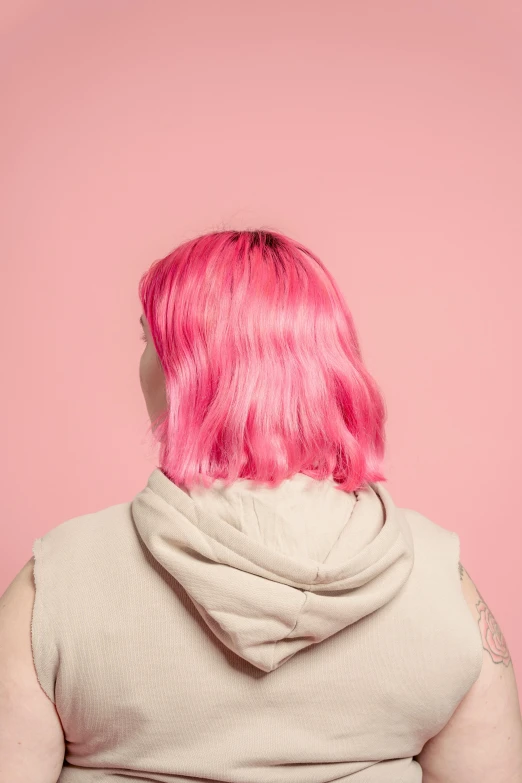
[[263, 371]]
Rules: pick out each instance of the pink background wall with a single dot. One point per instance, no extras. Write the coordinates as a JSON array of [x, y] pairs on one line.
[[386, 136]]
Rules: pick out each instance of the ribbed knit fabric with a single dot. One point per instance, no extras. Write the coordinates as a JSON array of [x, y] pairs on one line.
[[253, 635]]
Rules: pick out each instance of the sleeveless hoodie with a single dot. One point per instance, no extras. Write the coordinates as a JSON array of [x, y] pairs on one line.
[[296, 634]]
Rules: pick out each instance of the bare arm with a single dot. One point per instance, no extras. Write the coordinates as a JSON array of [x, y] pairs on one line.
[[482, 742], [31, 737]]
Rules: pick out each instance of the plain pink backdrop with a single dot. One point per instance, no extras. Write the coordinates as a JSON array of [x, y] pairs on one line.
[[385, 135]]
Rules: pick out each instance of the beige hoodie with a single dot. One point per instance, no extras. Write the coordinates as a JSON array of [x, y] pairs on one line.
[[249, 634]]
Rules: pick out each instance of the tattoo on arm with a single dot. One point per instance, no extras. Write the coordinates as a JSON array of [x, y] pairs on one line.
[[492, 637]]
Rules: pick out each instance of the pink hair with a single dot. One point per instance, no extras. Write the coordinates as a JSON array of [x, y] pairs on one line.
[[263, 370]]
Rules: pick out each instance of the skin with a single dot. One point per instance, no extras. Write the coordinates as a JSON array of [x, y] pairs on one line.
[[481, 743]]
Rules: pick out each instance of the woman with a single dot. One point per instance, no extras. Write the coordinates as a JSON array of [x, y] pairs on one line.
[[261, 611]]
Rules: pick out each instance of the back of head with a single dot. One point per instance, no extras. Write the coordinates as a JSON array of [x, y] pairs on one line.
[[263, 371]]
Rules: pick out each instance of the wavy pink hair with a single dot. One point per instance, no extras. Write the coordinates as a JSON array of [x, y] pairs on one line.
[[263, 370]]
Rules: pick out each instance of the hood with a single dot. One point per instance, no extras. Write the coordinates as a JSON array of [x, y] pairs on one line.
[[274, 570]]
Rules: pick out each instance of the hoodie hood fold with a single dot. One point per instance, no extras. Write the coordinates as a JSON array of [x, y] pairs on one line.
[[274, 570]]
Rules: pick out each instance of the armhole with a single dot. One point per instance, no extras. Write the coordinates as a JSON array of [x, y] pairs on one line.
[[43, 644], [476, 647]]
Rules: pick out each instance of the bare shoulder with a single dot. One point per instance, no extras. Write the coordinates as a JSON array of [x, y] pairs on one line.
[[16, 606], [483, 739], [493, 640], [31, 740]]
